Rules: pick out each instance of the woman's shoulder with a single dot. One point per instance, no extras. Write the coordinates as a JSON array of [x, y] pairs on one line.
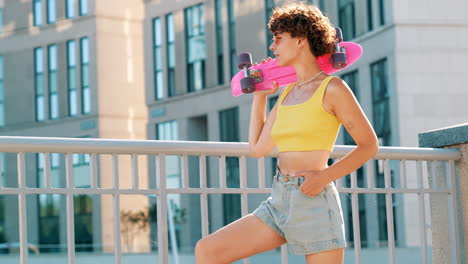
[[337, 86]]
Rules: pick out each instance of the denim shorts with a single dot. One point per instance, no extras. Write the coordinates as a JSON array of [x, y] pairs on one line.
[[310, 224]]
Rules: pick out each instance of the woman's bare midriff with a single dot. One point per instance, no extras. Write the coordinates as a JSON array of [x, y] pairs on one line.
[[297, 161]]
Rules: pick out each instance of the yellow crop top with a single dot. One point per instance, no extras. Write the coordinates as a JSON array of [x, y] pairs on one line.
[[306, 126]]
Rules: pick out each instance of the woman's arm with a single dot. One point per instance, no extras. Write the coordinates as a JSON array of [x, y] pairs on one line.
[[347, 109], [260, 141]]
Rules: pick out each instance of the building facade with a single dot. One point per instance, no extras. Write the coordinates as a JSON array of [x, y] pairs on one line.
[[160, 69]]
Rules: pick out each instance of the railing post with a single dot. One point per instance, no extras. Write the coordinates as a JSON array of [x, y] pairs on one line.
[[451, 248]]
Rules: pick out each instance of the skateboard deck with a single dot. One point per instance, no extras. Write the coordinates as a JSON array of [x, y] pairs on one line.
[[269, 71]]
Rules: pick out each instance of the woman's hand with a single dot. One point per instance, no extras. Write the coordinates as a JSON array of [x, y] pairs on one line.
[[314, 182], [267, 91]]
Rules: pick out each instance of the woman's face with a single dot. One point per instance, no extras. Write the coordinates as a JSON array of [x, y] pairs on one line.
[[285, 48]]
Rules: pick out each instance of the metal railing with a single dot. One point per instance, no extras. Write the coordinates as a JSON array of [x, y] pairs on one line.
[[432, 158]]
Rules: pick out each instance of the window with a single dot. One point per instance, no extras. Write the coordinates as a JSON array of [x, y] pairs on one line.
[[219, 40], [49, 206], [3, 238], [170, 38], [85, 89], [381, 102], [1, 17], [370, 19], [229, 132], [169, 131], [232, 37], [196, 47], [382, 12], [158, 74], [83, 203], [269, 5], [39, 83], [51, 12], [70, 8], [37, 12], [353, 82], [71, 73], [322, 5], [2, 95], [52, 73], [375, 18], [346, 18], [83, 7], [382, 126]]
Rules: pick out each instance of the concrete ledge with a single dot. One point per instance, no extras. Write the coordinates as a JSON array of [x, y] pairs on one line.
[[443, 137]]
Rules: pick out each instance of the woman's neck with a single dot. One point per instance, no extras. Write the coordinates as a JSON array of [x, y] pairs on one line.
[[306, 68]]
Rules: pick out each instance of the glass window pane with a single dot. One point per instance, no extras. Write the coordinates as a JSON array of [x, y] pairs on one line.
[[52, 52], [72, 78], [51, 11], [54, 106], [39, 84], [52, 82], [159, 85], [73, 104], [40, 113], [157, 32], [157, 59], [198, 75], [170, 28], [86, 100], [83, 7], [232, 37], [1, 19], [39, 60], [382, 12], [229, 125], [85, 75], [2, 116], [171, 55], [70, 8], [71, 52], [40, 161], [55, 160], [1, 68], [84, 50], [76, 159], [37, 9]]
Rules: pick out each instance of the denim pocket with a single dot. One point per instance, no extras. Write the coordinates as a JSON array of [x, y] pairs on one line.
[[321, 194], [276, 194]]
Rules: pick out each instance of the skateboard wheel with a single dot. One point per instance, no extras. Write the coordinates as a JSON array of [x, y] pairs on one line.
[[338, 60], [247, 84], [339, 35], [244, 60]]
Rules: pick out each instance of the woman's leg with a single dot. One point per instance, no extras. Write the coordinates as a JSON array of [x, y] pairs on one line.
[[334, 256], [240, 239]]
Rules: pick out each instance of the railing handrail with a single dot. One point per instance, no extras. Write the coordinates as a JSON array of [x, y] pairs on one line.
[[154, 147]]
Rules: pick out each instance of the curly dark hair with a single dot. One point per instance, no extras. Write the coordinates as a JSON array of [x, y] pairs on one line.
[[305, 21]]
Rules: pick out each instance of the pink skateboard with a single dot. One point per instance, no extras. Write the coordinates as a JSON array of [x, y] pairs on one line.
[[261, 76]]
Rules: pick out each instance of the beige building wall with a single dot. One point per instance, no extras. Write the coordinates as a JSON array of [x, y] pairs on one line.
[[118, 106]]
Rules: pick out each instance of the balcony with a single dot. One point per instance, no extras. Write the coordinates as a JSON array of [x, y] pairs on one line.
[[417, 216]]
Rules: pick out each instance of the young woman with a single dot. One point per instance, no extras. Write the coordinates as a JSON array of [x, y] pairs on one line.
[[304, 208]]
